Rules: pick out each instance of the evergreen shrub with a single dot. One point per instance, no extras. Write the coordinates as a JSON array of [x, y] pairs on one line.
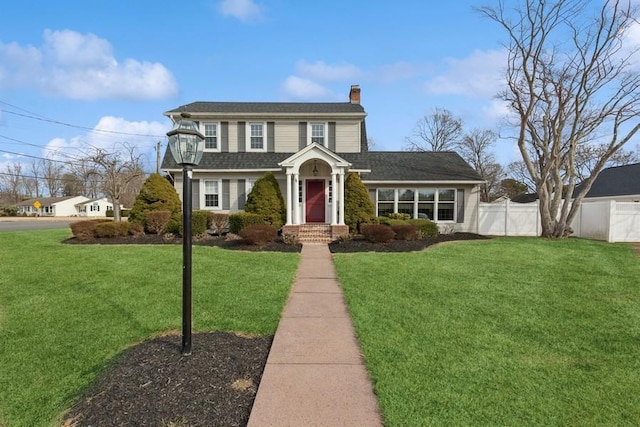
[[358, 207], [240, 220], [266, 199], [156, 194]]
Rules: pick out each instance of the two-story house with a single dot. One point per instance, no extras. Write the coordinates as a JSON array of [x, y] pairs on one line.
[[310, 147]]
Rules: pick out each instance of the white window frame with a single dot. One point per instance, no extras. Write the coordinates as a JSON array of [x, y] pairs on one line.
[[203, 195], [325, 132], [264, 137], [416, 190], [203, 128]]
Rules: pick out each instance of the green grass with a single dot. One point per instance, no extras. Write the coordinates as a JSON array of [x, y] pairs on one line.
[[66, 311], [502, 332]]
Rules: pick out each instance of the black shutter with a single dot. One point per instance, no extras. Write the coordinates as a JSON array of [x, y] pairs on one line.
[[332, 136], [242, 139], [195, 194], [242, 193], [224, 137], [302, 133], [271, 145], [460, 206], [225, 194]]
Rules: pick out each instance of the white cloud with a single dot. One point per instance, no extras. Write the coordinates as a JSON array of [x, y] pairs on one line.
[[479, 74], [321, 71], [243, 10], [82, 66], [497, 109], [301, 88], [109, 133]]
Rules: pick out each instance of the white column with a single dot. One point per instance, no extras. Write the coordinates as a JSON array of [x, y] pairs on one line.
[[334, 198], [289, 197], [296, 196], [341, 178]]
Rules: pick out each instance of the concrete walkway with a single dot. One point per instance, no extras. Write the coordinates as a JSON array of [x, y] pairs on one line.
[[315, 375]]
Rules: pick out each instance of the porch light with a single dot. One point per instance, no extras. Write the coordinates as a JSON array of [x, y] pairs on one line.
[[315, 170], [187, 145]]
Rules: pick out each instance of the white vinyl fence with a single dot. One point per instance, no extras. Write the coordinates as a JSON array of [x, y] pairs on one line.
[[609, 220]]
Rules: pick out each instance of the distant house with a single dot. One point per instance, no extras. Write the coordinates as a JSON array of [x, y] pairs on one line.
[[95, 207], [51, 206], [310, 147], [619, 183]]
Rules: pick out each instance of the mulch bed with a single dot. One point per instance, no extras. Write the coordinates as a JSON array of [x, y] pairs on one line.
[[153, 384]]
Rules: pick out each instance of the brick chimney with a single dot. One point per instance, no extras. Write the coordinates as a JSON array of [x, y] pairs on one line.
[[354, 94]]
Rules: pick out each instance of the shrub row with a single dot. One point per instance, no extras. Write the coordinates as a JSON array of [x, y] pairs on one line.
[[123, 213], [102, 228], [426, 227], [377, 233], [259, 234], [240, 220]]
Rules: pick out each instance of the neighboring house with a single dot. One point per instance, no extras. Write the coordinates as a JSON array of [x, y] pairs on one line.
[[95, 207], [51, 206], [310, 147], [619, 183]]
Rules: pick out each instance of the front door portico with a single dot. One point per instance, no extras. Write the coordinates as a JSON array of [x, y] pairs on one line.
[[315, 201]]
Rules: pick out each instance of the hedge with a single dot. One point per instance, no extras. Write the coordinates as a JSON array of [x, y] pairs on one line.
[[240, 220]]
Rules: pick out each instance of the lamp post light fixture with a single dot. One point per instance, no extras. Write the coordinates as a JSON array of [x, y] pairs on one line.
[[187, 146]]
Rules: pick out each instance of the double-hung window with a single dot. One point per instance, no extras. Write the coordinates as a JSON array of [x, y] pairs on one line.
[[318, 133], [256, 136], [212, 194], [211, 136]]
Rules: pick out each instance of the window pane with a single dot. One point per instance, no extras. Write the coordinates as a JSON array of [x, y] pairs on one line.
[[386, 195], [426, 194], [425, 210], [210, 136], [211, 194], [317, 133], [446, 195], [211, 200], [405, 195], [445, 211], [406, 208], [385, 209], [257, 136]]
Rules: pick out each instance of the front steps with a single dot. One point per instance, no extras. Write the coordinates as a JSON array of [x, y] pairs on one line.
[[316, 233]]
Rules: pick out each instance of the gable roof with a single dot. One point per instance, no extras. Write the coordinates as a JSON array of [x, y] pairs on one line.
[[418, 166], [615, 181], [279, 108], [388, 166], [45, 201]]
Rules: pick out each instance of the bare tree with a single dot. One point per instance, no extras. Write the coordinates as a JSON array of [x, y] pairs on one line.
[[35, 171], [438, 131], [87, 179], [51, 174], [12, 182], [588, 155], [569, 81], [118, 169], [475, 148], [72, 185], [518, 171]]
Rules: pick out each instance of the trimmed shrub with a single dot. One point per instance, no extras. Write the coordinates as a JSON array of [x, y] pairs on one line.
[[199, 222], [358, 207], [218, 221], [112, 229], [156, 194], [427, 227], [406, 232], [259, 234], [240, 220], [110, 213], [402, 216], [136, 229], [85, 230], [156, 221], [377, 233], [124, 213], [266, 199]]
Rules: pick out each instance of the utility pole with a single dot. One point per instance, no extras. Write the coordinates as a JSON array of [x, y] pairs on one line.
[[158, 157]]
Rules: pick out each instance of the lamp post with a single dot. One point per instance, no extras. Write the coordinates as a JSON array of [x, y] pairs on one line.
[[187, 145]]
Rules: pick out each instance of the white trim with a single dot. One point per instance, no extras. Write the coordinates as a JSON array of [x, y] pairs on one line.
[[411, 183], [218, 142], [247, 135]]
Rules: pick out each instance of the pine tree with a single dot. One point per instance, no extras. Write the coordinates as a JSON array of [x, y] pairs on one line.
[[358, 207], [156, 194], [266, 199]]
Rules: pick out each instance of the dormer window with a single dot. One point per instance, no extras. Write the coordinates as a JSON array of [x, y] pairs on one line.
[[211, 137], [318, 133]]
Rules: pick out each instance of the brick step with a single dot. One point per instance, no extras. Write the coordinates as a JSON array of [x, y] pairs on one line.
[[315, 234]]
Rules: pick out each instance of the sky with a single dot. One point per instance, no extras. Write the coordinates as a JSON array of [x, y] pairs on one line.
[[77, 74]]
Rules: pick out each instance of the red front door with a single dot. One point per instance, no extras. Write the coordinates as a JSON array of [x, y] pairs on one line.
[[315, 201]]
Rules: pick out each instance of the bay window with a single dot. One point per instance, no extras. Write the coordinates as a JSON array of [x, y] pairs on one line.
[[436, 204]]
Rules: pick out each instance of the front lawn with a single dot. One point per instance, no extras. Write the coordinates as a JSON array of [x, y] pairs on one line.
[[511, 331], [67, 310]]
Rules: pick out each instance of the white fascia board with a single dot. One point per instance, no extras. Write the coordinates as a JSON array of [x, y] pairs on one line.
[[421, 182]]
